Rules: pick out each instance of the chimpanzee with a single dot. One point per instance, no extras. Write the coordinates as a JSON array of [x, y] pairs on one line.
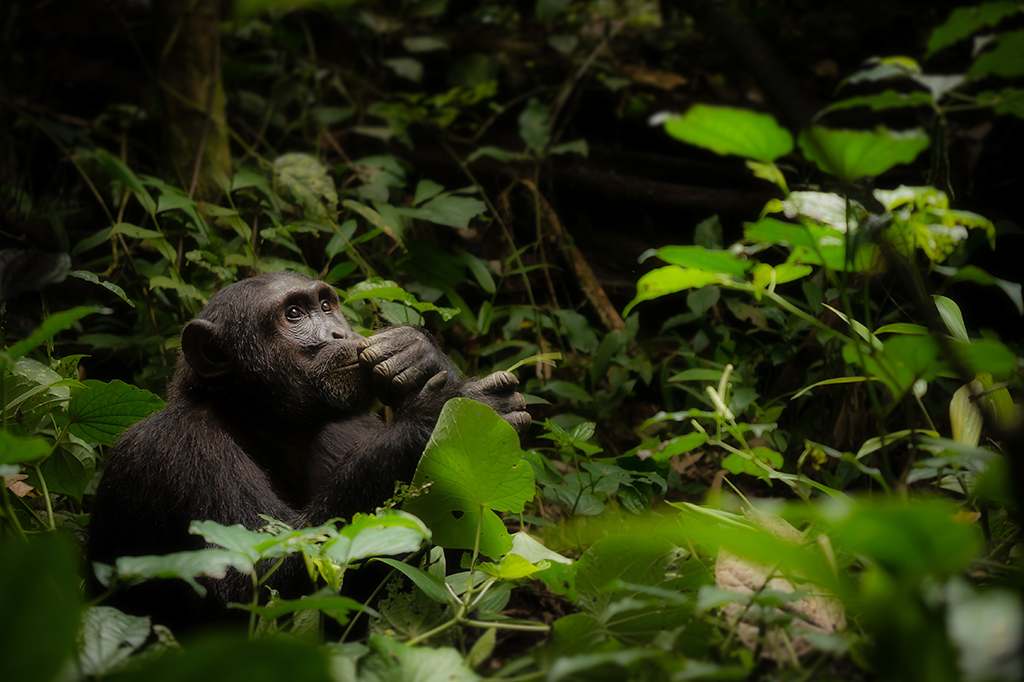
[[268, 412]]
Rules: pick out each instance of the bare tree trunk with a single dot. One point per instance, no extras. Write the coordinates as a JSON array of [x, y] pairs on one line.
[[192, 94]]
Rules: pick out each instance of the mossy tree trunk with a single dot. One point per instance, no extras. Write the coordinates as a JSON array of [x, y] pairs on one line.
[[192, 94]]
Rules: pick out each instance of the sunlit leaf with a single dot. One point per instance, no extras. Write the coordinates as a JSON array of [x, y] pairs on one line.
[[854, 154], [965, 21], [727, 130]]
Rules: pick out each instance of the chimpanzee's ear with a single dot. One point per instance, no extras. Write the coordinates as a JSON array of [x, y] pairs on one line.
[[202, 349]]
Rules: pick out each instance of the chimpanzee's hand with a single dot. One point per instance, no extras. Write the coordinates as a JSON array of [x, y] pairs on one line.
[[399, 361], [499, 391]]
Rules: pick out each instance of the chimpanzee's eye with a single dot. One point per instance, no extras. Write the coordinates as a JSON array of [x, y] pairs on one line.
[[293, 312], [325, 306]]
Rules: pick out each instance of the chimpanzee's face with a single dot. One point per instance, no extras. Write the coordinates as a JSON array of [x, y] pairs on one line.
[[283, 340]]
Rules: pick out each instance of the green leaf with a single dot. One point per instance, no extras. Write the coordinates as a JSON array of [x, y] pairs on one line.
[[575, 147], [365, 536], [1006, 59], [854, 154], [391, 661], [912, 540], [671, 279], [123, 174], [429, 584], [50, 327], [101, 411], [474, 464], [15, 450], [40, 601], [91, 277], [705, 259], [965, 21], [209, 563], [512, 567], [447, 210], [108, 638], [535, 125], [337, 607], [949, 311], [630, 559], [426, 189], [497, 153], [890, 99], [726, 130], [971, 273], [406, 67], [377, 220]]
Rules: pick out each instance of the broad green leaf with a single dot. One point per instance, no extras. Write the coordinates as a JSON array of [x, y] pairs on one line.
[[949, 311], [823, 207], [183, 290], [239, 539], [15, 450], [40, 599], [985, 356], [627, 558], [474, 464], [671, 279], [209, 563], [1006, 59], [853, 154], [912, 540], [966, 21], [108, 638], [513, 567], [890, 99], [526, 546], [101, 411], [765, 276], [231, 657], [447, 210], [373, 535], [705, 259], [390, 661], [426, 189], [727, 130], [69, 470], [535, 125]]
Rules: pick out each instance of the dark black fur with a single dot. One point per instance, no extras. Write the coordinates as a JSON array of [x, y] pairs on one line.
[[269, 413]]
